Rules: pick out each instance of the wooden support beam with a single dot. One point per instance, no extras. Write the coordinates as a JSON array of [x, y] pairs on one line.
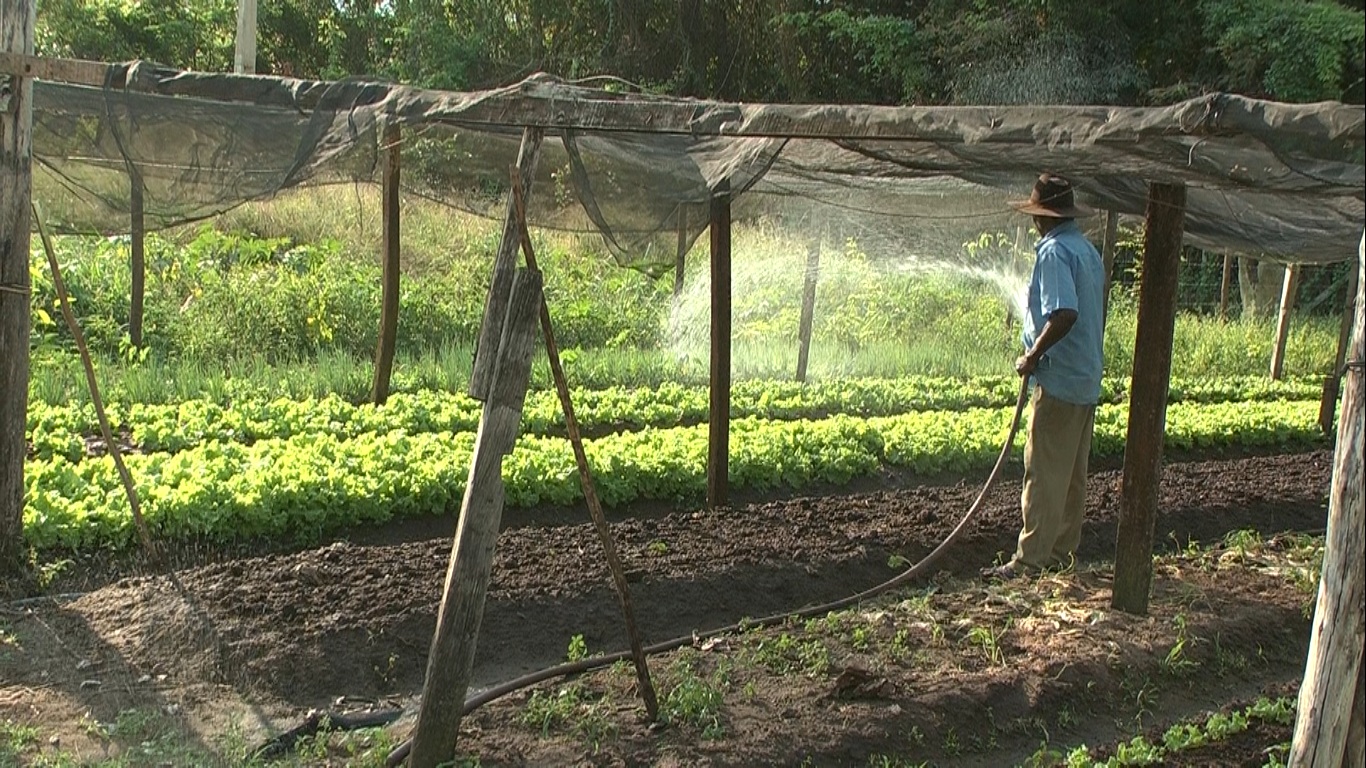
[[681, 253], [1107, 257], [1329, 724], [718, 420], [1148, 397], [16, 174], [137, 259], [390, 245], [1225, 285], [451, 660], [808, 316], [504, 264], [590, 492], [1332, 382], [1288, 290]]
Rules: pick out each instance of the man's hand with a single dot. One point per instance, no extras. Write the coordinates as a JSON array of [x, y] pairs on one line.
[[1025, 365]]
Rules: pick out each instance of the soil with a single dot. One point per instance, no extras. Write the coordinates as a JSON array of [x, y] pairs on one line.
[[252, 643]]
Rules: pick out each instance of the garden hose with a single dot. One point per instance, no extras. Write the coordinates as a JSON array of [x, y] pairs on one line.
[[400, 753]]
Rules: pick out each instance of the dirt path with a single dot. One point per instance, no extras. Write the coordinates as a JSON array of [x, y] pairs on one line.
[[352, 620]]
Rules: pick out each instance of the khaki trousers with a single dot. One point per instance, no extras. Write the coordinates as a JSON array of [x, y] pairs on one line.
[[1053, 501]]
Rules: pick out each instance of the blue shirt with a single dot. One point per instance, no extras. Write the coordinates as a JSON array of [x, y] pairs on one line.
[[1068, 274]]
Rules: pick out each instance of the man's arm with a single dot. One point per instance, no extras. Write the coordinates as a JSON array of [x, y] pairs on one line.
[[1059, 323]]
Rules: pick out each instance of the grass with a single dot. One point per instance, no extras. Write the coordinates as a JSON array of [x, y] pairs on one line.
[[293, 308]]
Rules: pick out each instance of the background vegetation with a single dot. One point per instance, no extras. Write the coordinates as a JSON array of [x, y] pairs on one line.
[[879, 51]]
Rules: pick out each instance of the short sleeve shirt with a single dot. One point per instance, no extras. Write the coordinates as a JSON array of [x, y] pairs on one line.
[[1068, 274]]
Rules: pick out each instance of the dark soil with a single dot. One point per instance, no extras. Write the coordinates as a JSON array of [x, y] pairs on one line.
[[354, 618]]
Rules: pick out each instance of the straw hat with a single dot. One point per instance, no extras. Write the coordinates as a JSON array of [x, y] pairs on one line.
[[1052, 196]]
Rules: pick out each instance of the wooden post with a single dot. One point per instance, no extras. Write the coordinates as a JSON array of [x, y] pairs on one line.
[[718, 433], [681, 256], [16, 168], [1332, 382], [388, 313], [244, 58], [1329, 725], [1148, 397], [590, 492], [504, 265], [1288, 288], [1225, 284], [808, 317], [467, 576], [137, 261], [1107, 257]]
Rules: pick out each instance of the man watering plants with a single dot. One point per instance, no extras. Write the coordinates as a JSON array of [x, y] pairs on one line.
[[1063, 339]]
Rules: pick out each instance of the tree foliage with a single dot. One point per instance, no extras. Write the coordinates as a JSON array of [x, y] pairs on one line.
[[875, 51]]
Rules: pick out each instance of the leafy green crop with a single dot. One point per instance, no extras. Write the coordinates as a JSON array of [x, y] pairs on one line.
[[56, 430], [308, 483]]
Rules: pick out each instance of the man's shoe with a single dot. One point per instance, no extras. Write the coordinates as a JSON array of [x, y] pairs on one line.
[[1007, 572]]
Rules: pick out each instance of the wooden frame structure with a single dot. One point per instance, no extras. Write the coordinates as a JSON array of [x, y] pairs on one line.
[[535, 113]]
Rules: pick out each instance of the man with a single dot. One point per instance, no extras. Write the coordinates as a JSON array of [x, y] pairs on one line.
[[1063, 340]]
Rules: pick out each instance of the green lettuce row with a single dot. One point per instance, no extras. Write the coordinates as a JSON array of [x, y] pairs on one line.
[[305, 485], [58, 430]]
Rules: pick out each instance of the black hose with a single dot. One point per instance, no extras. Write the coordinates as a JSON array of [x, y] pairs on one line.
[[400, 753]]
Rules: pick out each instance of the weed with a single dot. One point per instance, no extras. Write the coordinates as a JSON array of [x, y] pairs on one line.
[[988, 641], [1243, 542], [1226, 660], [900, 647], [693, 700], [786, 654], [15, 738], [1178, 662], [950, 743], [861, 637], [578, 649]]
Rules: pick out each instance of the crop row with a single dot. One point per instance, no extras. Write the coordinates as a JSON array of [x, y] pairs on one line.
[[307, 484], [59, 430]]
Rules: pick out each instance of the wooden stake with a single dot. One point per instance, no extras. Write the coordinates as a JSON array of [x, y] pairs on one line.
[[467, 576], [16, 171], [1148, 397], [1329, 721], [137, 261], [390, 244], [1107, 257], [1332, 382], [807, 320], [590, 493], [1288, 288], [682, 252], [106, 432], [1225, 284], [504, 264], [718, 432]]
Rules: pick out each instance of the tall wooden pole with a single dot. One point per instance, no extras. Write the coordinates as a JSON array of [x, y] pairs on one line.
[[137, 260], [718, 433], [244, 59], [451, 661], [388, 313], [16, 168], [1107, 256], [1225, 285], [681, 255], [1332, 382], [808, 317], [504, 265], [1330, 727], [1288, 288], [1148, 397]]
